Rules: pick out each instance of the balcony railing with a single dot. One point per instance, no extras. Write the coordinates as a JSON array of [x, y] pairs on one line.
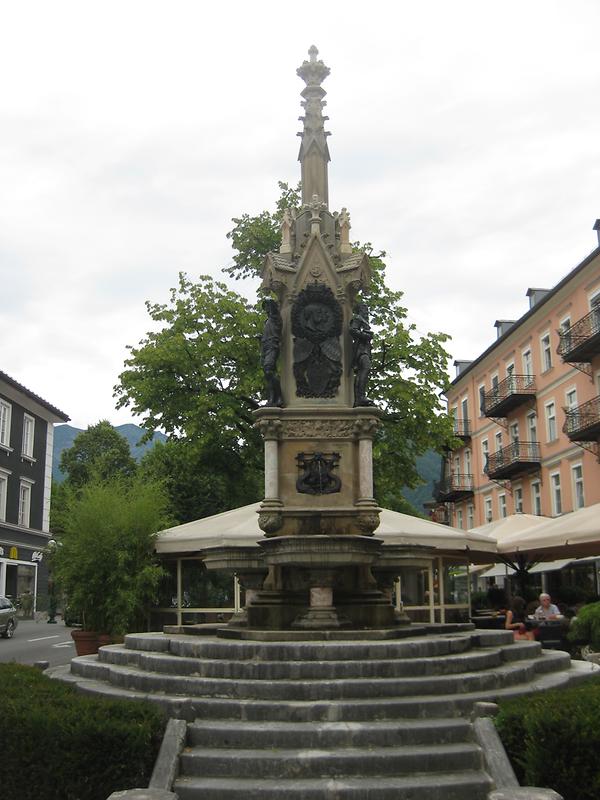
[[454, 487], [581, 342], [462, 428], [507, 395], [582, 423], [514, 459]]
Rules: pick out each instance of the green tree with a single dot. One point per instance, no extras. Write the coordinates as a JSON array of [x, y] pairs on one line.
[[199, 378], [100, 452], [104, 562], [200, 481]]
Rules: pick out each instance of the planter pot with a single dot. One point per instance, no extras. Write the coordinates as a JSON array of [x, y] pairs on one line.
[[107, 638], [86, 642]]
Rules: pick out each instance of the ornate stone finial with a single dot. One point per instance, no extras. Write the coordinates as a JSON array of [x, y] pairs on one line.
[[314, 153], [313, 72], [343, 221]]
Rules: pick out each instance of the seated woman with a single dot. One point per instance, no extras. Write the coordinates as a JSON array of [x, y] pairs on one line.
[[515, 620]]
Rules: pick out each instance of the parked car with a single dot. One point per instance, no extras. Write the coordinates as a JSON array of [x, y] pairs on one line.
[[8, 618]]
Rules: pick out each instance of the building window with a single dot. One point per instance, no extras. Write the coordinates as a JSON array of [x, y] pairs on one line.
[[485, 450], [465, 410], [24, 504], [495, 383], [546, 352], [467, 462], [5, 423], [518, 499], [556, 494], [28, 434], [564, 325], [470, 516], [456, 465], [571, 399], [527, 363], [502, 506], [513, 432], [482, 401], [551, 421], [536, 498], [3, 493], [487, 505], [498, 440], [532, 426], [578, 496], [459, 518]]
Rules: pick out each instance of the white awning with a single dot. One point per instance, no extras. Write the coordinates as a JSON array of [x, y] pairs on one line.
[[497, 571]]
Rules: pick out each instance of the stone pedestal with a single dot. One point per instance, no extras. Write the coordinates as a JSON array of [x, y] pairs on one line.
[[345, 503], [320, 583]]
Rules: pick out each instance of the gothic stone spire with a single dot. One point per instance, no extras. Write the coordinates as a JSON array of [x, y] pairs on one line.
[[314, 153]]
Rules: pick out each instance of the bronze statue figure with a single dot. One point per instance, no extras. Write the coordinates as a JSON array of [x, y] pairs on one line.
[[270, 345], [360, 331]]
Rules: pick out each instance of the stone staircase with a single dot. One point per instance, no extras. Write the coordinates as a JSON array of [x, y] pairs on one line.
[[326, 719]]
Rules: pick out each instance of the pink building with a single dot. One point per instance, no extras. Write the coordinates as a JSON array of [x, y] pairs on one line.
[[527, 410]]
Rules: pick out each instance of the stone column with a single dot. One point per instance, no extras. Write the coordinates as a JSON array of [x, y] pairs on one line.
[[270, 518], [321, 614], [364, 430]]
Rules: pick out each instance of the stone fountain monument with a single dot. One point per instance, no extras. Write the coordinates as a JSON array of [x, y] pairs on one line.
[[367, 705], [319, 514]]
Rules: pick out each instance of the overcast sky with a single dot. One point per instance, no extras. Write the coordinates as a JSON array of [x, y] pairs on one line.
[[465, 142]]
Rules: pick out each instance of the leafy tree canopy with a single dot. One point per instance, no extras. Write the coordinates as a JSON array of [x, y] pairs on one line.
[[201, 481], [198, 375], [98, 452]]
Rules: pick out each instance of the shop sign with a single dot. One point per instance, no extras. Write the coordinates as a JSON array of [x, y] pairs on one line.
[[13, 553], [37, 556]]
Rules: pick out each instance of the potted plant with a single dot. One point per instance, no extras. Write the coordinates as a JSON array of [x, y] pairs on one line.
[[584, 631], [105, 563]]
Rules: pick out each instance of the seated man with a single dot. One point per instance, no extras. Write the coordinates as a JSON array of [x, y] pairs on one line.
[[546, 608]]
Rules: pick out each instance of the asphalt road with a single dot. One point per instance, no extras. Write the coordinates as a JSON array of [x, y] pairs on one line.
[[38, 641]]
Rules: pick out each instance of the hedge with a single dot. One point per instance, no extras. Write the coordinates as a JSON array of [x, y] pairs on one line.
[[553, 739], [61, 745]]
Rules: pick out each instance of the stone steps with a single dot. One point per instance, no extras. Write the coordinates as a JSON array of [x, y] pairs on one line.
[[296, 764], [215, 648], [333, 735], [132, 677], [469, 785], [363, 720], [310, 670], [419, 707]]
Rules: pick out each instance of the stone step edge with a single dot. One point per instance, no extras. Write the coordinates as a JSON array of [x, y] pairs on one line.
[[167, 657], [505, 669], [298, 786], [184, 707], [382, 724]]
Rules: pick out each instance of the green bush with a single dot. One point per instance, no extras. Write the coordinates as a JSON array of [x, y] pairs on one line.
[[479, 600], [61, 745], [553, 739], [104, 562], [585, 627]]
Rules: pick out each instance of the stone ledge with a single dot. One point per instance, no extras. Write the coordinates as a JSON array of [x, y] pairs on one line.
[[525, 793], [144, 794], [166, 767]]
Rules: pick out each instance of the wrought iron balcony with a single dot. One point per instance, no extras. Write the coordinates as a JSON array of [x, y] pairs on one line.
[[517, 458], [509, 394], [581, 342], [582, 423], [462, 429], [454, 487]]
